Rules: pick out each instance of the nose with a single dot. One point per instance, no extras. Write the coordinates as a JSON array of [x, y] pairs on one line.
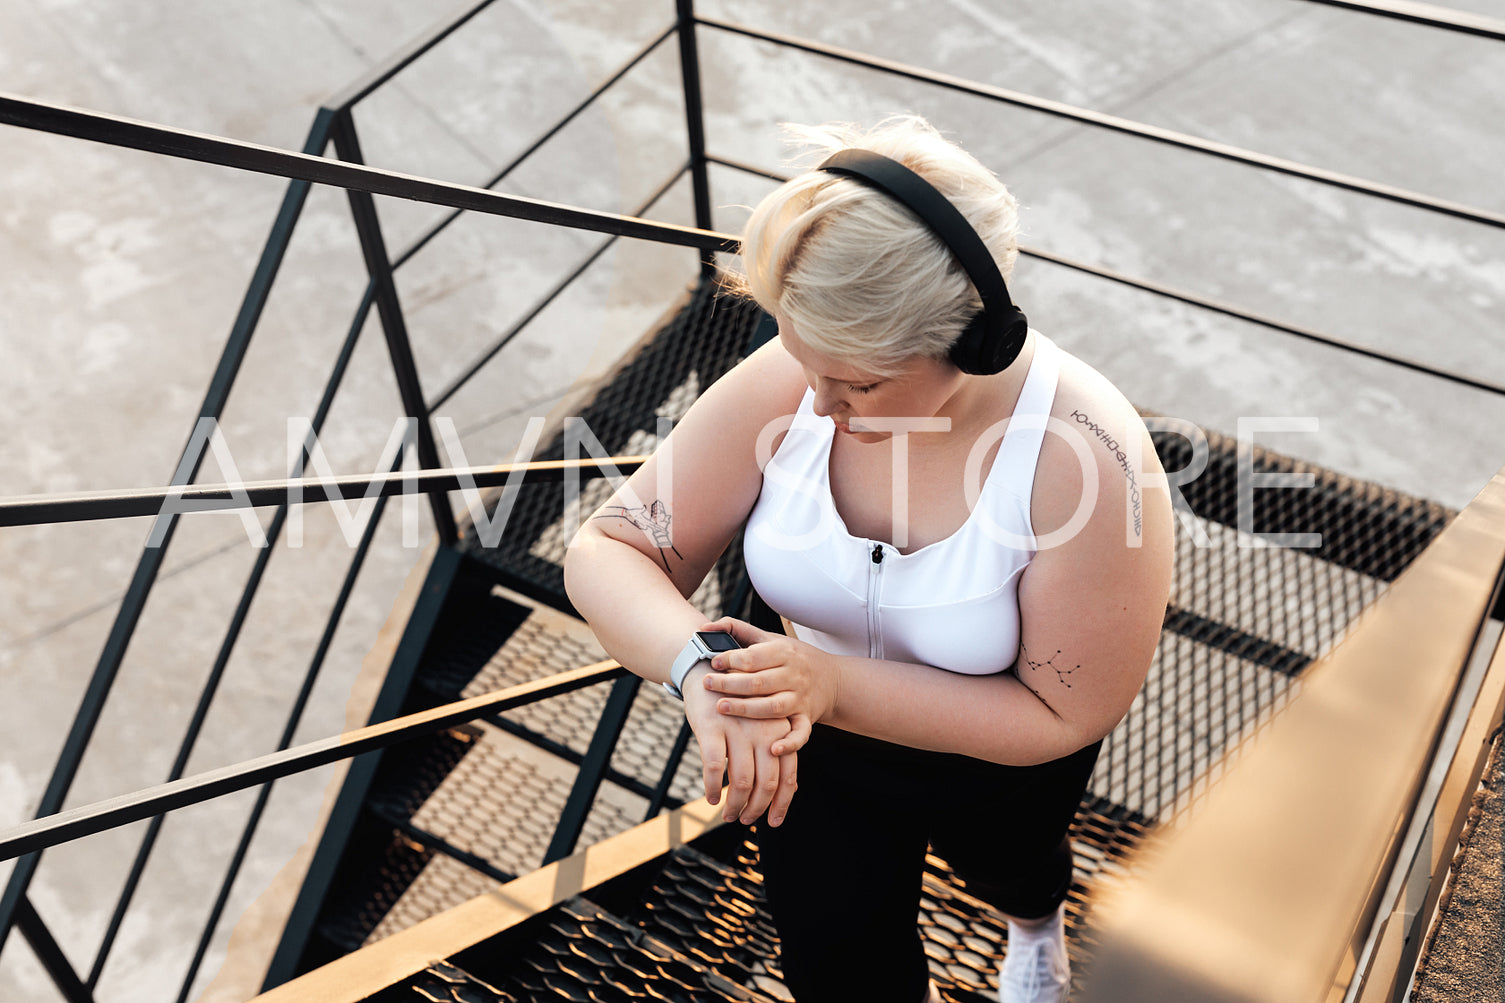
[[827, 400]]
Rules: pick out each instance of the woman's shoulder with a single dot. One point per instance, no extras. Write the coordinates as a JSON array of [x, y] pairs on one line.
[[1084, 397], [1100, 446]]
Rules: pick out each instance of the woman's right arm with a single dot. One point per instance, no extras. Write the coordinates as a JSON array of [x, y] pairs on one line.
[[635, 561]]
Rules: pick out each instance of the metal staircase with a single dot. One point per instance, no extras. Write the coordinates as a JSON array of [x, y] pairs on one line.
[[459, 815], [499, 743]]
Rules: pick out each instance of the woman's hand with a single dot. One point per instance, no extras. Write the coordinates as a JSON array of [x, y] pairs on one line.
[[757, 780], [773, 677]]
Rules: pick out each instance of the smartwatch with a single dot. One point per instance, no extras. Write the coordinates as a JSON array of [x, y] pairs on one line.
[[703, 644]]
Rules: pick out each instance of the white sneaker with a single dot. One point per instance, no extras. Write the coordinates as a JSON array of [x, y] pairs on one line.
[[1035, 971]]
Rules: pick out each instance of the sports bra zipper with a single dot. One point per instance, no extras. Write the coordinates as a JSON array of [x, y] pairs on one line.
[[874, 590]]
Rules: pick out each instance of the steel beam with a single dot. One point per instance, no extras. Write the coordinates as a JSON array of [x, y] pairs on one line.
[[134, 134]]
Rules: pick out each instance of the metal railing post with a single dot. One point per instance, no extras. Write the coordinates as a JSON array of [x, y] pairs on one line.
[[227, 645], [700, 179], [593, 768], [671, 769], [289, 730], [361, 772], [50, 953], [394, 327], [131, 607]]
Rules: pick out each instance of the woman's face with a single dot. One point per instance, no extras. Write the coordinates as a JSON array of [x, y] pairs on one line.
[[924, 388]]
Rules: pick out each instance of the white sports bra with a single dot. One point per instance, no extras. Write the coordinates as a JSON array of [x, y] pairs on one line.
[[952, 604]]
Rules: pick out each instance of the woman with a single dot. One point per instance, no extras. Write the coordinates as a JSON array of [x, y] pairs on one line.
[[969, 558]]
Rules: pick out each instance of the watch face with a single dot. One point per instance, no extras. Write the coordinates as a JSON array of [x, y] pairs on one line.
[[717, 640]]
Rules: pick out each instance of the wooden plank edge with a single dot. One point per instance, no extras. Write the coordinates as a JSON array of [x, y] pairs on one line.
[[363, 973], [1263, 893]]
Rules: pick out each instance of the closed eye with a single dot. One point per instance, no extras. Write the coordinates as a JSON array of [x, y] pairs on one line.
[[862, 389]]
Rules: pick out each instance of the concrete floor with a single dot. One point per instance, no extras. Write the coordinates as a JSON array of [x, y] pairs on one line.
[[123, 273]]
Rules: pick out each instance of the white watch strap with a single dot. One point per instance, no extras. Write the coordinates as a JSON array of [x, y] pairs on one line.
[[689, 657]]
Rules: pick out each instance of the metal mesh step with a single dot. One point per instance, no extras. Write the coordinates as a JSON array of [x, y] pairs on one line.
[[714, 910], [693, 348], [548, 643], [457, 814], [443, 982], [499, 804], [357, 908], [699, 930], [412, 771], [1197, 703], [1291, 598], [479, 623], [1365, 527], [582, 953]]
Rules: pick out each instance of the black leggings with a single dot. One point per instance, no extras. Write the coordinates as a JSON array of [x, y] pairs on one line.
[[842, 873]]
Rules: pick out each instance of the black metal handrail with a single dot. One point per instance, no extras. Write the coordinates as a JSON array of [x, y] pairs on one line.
[[517, 327], [289, 730], [1114, 123], [332, 122], [86, 820], [165, 141], [1205, 303], [101, 681], [400, 59], [1426, 14], [627, 464], [689, 71], [33, 510]]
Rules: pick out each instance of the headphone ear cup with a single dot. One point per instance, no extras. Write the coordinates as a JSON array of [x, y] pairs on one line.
[[1015, 329], [985, 348], [967, 350]]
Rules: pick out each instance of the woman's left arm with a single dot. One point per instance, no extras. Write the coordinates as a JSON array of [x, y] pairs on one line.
[[1091, 605]]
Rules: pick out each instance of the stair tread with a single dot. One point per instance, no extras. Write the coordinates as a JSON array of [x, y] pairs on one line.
[[582, 952], [500, 803], [443, 982], [543, 645]]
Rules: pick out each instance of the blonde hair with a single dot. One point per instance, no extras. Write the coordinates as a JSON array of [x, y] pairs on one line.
[[857, 274]]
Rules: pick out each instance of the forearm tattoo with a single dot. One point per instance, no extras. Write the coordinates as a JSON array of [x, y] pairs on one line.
[[1112, 445], [652, 519]]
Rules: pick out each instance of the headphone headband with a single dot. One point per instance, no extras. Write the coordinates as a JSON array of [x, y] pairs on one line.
[[995, 336]]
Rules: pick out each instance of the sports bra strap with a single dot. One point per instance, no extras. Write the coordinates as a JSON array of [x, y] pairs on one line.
[[1020, 450]]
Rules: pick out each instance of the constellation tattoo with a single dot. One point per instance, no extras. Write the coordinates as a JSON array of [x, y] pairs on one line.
[[1049, 663], [653, 520]]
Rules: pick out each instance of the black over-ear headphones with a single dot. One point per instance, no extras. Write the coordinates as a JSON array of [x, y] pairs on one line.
[[994, 338]]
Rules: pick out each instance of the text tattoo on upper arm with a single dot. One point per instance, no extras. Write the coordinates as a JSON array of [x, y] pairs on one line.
[[1111, 443], [652, 519]]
